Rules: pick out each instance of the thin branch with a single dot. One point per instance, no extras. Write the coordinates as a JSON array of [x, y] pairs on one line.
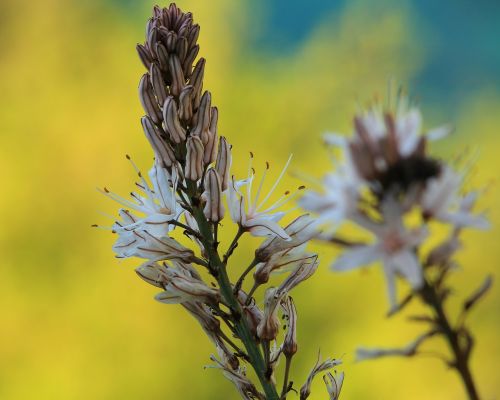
[[233, 245]]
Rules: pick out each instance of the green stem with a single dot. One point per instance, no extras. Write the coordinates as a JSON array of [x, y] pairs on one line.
[[240, 323]]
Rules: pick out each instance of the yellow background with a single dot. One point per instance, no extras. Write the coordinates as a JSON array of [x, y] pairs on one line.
[[77, 324]]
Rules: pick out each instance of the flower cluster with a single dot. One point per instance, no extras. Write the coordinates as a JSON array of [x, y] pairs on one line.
[[384, 176], [190, 188], [387, 184]]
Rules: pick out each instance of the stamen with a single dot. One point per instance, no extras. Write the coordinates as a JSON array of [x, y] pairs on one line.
[[147, 189], [277, 182], [254, 204]]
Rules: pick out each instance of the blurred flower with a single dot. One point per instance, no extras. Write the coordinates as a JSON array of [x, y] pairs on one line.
[[441, 201], [395, 247]]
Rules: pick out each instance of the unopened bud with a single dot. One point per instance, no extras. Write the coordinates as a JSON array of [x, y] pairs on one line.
[[211, 145], [194, 158], [172, 123], [144, 55], [203, 118], [162, 54], [178, 81], [163, 150], [158, 83], [197, 82], [214, 209], [148, 99], [185, 105], [223, 163]]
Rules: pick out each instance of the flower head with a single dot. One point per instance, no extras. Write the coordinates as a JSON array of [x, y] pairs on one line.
[[250, 212]]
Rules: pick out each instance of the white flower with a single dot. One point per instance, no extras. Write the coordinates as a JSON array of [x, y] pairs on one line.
[[441, 201], [338, 201], [394, 246], [250, 212], [140, 243], [157, 204]]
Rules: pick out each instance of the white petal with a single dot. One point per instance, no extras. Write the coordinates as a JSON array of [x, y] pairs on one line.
[[408, 265], [264, 227], [357, 257]]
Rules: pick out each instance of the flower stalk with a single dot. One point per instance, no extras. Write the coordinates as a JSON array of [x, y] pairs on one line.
[[384, 178], [190, 188]]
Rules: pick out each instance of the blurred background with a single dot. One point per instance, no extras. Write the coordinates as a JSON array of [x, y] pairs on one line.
[[77, 324]]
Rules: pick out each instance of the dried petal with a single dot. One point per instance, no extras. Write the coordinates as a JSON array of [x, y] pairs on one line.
[[333, 384], [269, 326], [329, 363], [290, 341]]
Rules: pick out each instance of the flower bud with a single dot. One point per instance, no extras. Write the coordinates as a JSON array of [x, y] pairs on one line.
[[197, 82], [144, 55], [185, 105], [162, 55], [203, 118], [223, 163], [148, 99], [172, 123], [163, 150], [194, 158], [158, 83], [214, 209], [187, 65], [211, 145], [177, 74]]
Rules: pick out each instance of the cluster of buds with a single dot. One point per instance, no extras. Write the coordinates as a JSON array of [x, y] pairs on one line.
[[386, 183], [189, 188]]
